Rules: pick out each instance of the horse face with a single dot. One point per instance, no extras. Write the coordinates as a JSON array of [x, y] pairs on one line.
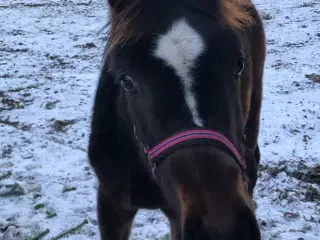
[[182, 78], [184, 73]]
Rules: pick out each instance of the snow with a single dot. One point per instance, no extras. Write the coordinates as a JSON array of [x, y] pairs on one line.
[[50, 55]]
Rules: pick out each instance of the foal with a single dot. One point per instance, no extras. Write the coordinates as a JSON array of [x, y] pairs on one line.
[[176, 117]]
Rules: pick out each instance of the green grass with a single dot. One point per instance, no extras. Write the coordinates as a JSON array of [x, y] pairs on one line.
[[69, 189], [40, 235], [51, 214], [5, 175], [39, 206], [71, 231]]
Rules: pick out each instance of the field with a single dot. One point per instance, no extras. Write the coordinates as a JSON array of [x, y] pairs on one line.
[[50, 56]]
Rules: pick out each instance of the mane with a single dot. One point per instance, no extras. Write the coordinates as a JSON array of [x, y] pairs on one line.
[[128, 24], [235, 13], [123, 24]]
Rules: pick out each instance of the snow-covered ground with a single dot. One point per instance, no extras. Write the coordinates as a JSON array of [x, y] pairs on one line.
[[50, 54]]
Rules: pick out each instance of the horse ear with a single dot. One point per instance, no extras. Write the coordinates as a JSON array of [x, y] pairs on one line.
[[112, 3], [117, 3]]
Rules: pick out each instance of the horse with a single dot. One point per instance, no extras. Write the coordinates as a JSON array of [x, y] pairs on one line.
[[176, 117]]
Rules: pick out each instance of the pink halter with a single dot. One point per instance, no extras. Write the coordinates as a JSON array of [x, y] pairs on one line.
[[182, 138]]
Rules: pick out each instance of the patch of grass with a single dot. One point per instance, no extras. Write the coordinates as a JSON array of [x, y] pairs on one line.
[[5, 75], [12, 50], [26, 127], [58, 61], [6, 165], [291, 215], [266, 16], [84, 3], [59, 125], [51, 214], [308, 175], [138, 225], [34, 5], [9, 123], [68, 189], [87, 45], [312, 194], [71, 231], [309, 4], [39, 206], [12, 190], [10, 103], [87, 170], [17, 32], [278, 64], [313, 77], [40, 235], [6, 151], [5, 175], [294, 45], [51, 105], [81, 57], [302, 173], [19, 89], [167, 236]]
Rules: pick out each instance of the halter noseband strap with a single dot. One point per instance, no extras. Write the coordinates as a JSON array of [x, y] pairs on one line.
[[189, 138]]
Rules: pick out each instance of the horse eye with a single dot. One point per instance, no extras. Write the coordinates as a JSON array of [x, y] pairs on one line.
[[239, 66], [128, 84]]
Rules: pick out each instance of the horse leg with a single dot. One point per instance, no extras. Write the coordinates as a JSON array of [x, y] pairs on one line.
[[174, 221], [114, 221]]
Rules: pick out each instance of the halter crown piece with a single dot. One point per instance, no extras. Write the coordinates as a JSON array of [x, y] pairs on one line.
[[189, 138]]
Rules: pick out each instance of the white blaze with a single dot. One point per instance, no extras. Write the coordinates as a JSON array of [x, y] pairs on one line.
[[180, 48]]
